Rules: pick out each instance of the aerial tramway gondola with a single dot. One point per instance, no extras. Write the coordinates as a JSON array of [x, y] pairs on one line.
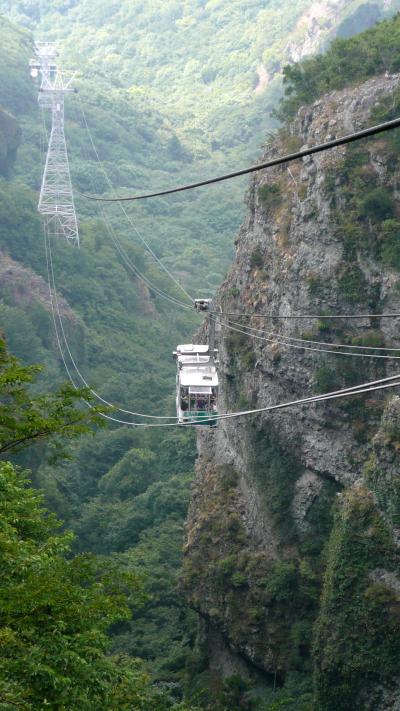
[[197, 377]]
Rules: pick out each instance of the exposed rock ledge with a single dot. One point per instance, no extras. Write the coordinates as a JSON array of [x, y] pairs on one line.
[[26, 286]]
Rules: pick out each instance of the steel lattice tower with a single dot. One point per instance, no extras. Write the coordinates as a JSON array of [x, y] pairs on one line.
[[56, 201]]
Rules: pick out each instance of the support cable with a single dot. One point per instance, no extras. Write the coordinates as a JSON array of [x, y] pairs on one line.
[[89, 405], [308, 348], [52, 290], [127, 216], [359, 390], [345, 392], [303, 316], [134, 269], [380, 384], [372, 386], [320, 343], [86, 384], [54, 299], [365, 133]]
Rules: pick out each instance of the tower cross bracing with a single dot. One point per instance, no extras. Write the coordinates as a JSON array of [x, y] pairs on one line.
[[56, 201]]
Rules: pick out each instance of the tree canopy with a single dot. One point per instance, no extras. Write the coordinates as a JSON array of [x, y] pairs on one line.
[[26, 419], [56, 609], [55, 613], [369, 53]]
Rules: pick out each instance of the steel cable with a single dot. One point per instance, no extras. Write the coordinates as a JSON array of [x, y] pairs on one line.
[[365, 133], [302, 347], [127, 216], [320, 343], [86, 384]]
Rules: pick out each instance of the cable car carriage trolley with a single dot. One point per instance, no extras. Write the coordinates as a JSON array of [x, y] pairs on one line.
[[197, 377]]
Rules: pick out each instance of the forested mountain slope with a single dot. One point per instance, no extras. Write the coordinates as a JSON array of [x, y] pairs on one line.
[[292, 556], [173, 90], [205, 65], [121, 337], [125, 492]]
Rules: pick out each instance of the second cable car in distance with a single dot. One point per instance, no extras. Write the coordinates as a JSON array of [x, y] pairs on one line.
[[197, 377]]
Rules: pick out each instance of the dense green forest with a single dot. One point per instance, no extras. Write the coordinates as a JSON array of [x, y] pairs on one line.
[[56, 609], [348, 61], [198, 62], [122, 337], [156, 118]]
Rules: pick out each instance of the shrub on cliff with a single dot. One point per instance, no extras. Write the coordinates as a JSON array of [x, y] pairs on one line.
[[357, 640], [370, 53]]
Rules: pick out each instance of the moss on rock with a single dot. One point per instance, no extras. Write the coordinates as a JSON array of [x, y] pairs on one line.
[[357, 641]]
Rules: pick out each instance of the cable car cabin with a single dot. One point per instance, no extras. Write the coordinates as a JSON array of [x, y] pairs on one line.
[[196, 385]]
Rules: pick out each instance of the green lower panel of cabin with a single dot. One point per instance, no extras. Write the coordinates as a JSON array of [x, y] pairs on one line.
[[202, 418]]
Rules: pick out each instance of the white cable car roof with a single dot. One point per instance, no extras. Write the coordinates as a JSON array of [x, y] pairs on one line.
[[191, 349], [194, 358], [191, 377], [195, 355]]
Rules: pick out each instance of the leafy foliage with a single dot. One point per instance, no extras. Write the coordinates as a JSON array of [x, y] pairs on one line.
[[55, 614], [372, 52], [198, 60], [274, 462], [55, 611], [25, 420], [127, 494], [270, 195], [326, 379], [354, 600]]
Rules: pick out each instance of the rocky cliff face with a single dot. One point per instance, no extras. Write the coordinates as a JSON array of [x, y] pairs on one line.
[[24, 287], [274, 491]]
